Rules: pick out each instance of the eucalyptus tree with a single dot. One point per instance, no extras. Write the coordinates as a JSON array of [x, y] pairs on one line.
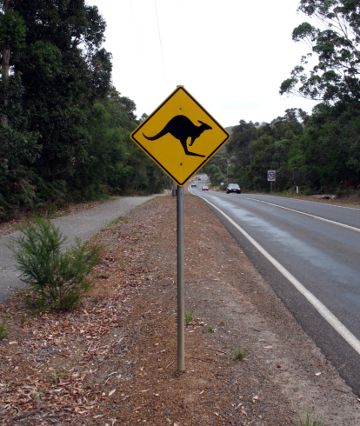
[[239, 152], [53, 68], [12, 35], [19, 146], [64, 130], [330, 71], [63, 69]]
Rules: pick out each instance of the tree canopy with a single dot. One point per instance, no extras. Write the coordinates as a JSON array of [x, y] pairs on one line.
[[330, 71], [64, 130], [315, 153], [319, 152]]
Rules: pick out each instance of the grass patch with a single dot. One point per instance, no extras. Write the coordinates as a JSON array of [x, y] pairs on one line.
[[3, 330], [239, 354], [118, 221], [309, 421], [188, 318], [56, 375]]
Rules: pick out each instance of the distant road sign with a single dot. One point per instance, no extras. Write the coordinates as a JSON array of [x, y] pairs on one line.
[[180, 136], [271, 175]]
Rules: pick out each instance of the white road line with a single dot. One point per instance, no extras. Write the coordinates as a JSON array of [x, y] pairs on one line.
[[333, 222], [346, 334]]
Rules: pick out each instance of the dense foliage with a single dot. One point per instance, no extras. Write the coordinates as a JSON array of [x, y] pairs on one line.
[[64, 130], [334, 50], [58, 278], [317, 153], [313, 153]]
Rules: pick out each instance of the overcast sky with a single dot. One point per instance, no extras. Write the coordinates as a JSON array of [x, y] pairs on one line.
[[231, 55]]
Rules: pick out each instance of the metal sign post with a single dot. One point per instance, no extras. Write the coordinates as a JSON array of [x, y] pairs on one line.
[[271, 177], [180, 281], [167, 136]]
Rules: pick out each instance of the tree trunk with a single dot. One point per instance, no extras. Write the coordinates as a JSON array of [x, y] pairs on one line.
[[5, 54], [5, 67]]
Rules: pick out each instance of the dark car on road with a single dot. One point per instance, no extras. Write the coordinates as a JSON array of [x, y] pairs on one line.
[[233, 187]]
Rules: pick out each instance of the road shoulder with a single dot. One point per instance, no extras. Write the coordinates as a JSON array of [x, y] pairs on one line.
[[113, 361]]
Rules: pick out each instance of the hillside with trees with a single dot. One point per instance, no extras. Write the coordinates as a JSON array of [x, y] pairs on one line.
[[318, 152], [64, 129]]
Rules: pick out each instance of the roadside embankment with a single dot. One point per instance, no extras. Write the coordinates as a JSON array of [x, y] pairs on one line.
[[113, 361]]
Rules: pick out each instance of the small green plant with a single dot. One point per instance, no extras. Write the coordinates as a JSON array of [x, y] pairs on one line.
[[188, 317], [3, 330], [309, 421], [57, 277], [118, 221], [211, 329], [36, 395], [239, 354], [56, 375]]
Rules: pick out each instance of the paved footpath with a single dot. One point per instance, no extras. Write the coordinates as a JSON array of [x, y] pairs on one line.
[[82, 225]]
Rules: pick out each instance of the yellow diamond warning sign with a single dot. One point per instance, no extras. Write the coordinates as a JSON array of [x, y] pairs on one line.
[[180, 136]]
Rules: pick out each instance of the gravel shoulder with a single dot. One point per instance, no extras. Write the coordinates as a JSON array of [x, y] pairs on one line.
[[113, 361], [77, 222]]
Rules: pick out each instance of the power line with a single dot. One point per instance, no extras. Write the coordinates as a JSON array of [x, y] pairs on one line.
[[160, 41]]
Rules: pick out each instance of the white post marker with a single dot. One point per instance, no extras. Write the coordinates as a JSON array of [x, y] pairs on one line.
[[271, 177]]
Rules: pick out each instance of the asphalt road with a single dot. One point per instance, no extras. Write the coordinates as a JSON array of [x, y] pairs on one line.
[[309, 252], [82, 225]]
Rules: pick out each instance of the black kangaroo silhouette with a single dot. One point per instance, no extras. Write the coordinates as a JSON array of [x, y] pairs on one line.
[[182, 128]]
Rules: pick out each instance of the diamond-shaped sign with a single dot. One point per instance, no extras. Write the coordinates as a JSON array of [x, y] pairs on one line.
[[180, 136]]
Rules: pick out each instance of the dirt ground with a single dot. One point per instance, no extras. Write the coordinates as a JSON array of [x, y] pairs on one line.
[[113, 361]]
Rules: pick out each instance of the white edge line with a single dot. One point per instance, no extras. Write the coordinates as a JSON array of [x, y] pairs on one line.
[[343, 225], [346, 334]]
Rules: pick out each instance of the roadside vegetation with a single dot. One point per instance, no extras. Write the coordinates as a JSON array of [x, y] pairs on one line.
[[239, 353], [64, 129], [317, 153], [3, 330], [57, 278], [310, 421], [188, 318]]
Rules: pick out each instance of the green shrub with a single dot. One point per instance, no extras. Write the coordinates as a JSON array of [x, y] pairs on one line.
[[239, 354], [58, 278], [188, 318], [309, 421], [3, 330]]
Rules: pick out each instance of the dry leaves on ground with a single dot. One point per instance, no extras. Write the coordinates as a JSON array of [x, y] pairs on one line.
[[113, 361]]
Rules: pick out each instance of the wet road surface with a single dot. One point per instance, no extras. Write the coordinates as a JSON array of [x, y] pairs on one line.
[[318, 247]]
